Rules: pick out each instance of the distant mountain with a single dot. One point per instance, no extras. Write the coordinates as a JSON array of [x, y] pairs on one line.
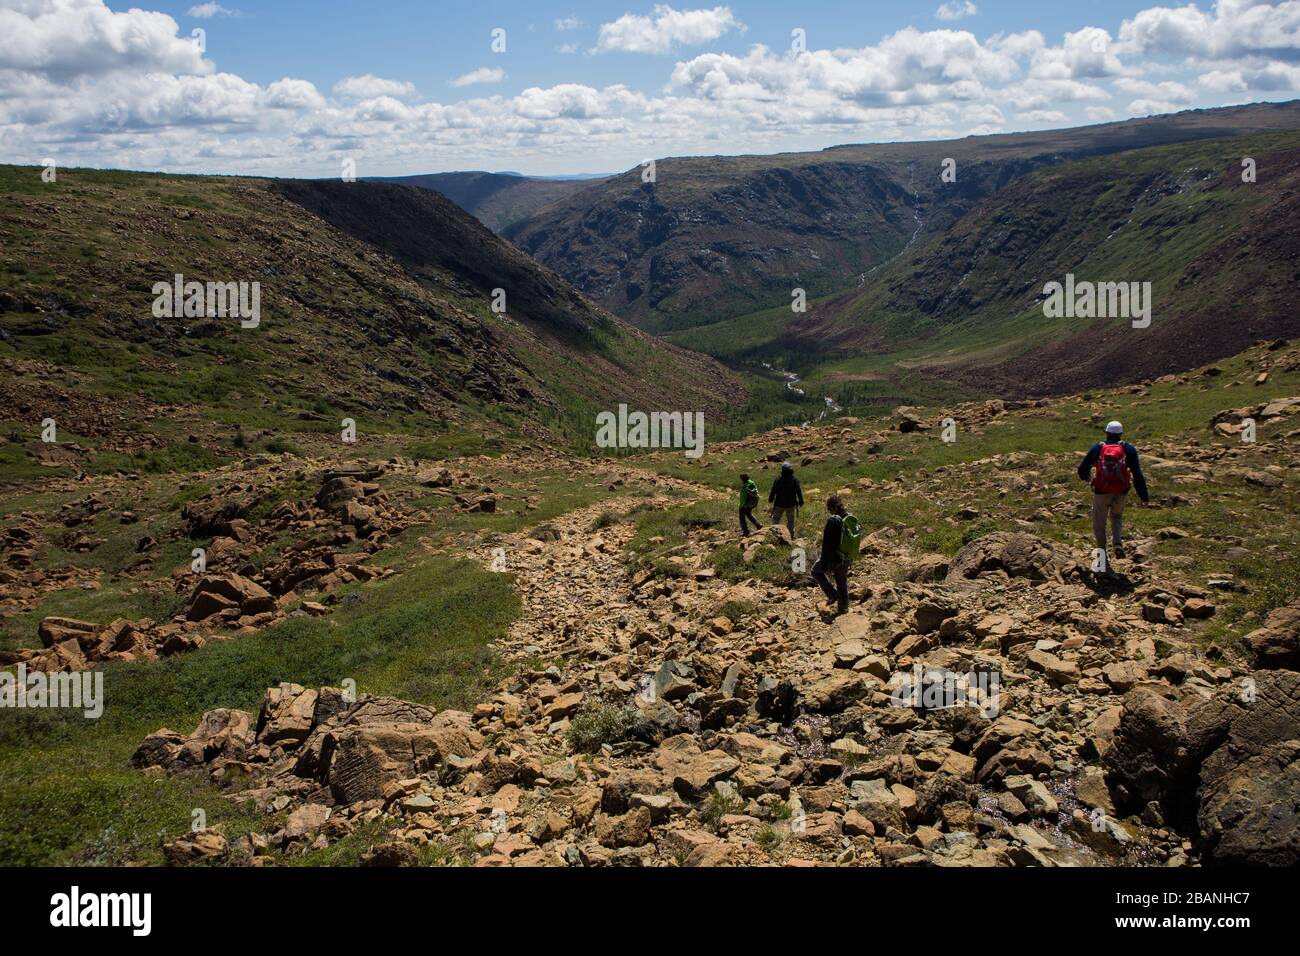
[[1222, 257], [498, 200], [723, 236]]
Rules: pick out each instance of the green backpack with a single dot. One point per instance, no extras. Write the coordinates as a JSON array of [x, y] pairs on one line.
[[850, 537], [749, 494]]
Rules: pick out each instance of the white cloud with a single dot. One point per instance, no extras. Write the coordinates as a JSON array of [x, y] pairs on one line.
[[568, 23], [908, 67], [1224, 81], [290, 94], [956, 10], [665, 30], [369, 86], [1018, 45], [63, 39], [206, 11], [1268, 28], [567, 48], [1268, 76], [95, 87], [1146, 107], [1168, 91], [481, 75], [1036, 94], [1088, 53], [1042, 116]]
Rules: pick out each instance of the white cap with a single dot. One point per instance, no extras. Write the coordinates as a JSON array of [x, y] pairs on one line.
[[1114, 428]]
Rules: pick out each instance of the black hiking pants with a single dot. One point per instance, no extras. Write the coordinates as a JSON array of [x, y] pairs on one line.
[[837, 593], [747, 515]]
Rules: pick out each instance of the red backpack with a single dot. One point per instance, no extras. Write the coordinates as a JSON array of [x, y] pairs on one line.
[[1112, 477]]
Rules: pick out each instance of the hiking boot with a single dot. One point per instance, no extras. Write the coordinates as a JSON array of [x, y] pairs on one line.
[[1117, 551]]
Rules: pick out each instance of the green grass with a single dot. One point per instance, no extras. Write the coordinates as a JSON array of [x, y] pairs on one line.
[[68, 794], [101, 606]]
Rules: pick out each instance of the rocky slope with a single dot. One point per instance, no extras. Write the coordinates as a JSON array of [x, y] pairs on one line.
[[674, 697]]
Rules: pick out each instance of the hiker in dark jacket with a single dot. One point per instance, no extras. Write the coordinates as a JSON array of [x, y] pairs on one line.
[[786, 497], [1112, 466], [830, 562], [748, 500]]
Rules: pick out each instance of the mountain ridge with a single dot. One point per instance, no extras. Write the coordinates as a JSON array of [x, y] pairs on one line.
[[677, 253]]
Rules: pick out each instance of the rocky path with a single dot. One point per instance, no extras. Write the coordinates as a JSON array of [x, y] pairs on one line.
[[573, 583], [1005, 706]]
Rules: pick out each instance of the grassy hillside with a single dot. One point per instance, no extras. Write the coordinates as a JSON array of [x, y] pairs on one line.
[[375, 305], [960, 314], [1220, 254], [722, 236]]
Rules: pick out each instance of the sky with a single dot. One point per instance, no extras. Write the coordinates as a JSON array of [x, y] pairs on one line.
[[301, 87]]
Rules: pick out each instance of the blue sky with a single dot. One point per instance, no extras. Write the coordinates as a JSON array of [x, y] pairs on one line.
[[430, 43], [296, 88]]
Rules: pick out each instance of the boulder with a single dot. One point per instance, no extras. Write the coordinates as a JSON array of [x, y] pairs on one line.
[[287, 715], [776, 700], [356, 759], [56, 630], [224, 732], [1016, 554], [216, 593], [204, 846], [836, 692], [1277, 643], [1148, 759], [878, 803], [1225, 768], [931, 613], [1248, 814]]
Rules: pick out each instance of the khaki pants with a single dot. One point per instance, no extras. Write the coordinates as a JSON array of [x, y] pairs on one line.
[[1103, 507], [788, 513]]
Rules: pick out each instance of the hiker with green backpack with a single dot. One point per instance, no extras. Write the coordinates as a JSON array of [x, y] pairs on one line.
[[840, 540], [748, 501]]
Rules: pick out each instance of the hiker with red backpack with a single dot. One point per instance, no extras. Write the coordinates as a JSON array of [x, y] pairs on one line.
[[1112, 467], [840, 540]]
